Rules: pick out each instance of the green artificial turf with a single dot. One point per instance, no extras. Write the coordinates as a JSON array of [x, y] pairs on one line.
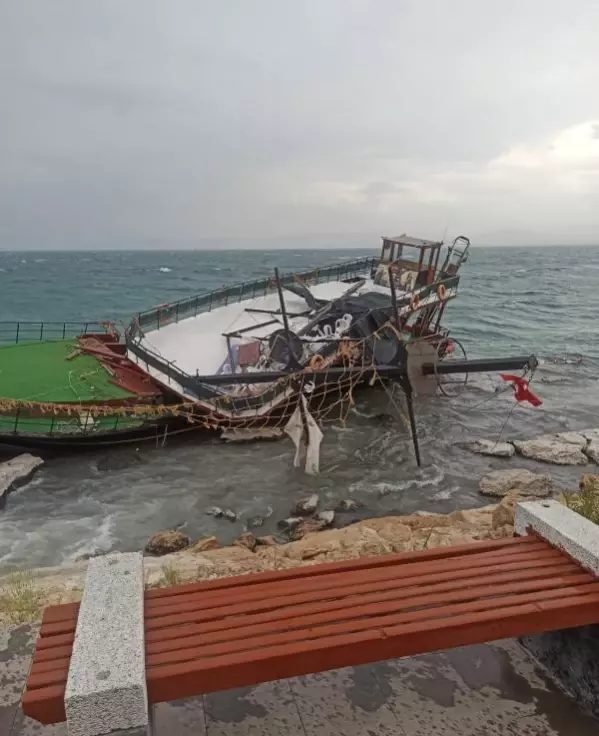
[[40, 371]]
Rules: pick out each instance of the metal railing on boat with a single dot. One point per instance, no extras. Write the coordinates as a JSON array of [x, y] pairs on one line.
[[23, 331], [160, 316]]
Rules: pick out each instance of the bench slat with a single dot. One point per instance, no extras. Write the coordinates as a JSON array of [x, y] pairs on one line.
[[367, 618], [238, 670]]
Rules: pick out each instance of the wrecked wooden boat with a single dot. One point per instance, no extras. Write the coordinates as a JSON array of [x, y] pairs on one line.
[[208, 349]]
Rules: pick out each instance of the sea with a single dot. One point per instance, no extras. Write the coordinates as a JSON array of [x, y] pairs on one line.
[[512, 301]]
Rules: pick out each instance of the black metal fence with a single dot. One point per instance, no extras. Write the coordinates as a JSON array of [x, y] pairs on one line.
[[19, 332]]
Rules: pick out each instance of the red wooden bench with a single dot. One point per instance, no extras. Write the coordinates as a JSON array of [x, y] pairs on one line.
[[220, 634]]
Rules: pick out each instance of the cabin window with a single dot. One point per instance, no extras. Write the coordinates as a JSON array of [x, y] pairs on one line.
[[387, 253]]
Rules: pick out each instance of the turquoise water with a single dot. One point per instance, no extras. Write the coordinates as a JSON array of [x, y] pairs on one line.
[[511, 301], [540, 299]]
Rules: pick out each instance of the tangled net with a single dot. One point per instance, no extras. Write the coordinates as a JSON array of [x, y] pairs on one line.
[[330, 396]]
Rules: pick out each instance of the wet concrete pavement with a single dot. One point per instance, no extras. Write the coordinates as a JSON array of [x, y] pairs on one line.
[[482, 690]]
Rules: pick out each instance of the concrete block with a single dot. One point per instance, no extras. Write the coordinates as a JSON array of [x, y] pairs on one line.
[[563, 528], [106, 687]]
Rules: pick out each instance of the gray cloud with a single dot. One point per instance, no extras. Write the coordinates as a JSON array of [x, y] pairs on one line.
[[130, 124]]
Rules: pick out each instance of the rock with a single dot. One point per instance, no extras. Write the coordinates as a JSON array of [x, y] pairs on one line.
[[289, 524], [206, 543], [348, 504], [326, 517], [255, 522], [305, 506], [230, 515], [306, 526], [591, 435], [215, 511], [247, 540], [392, 530], [336, 544], [504, 512], [163, 543], [118, 461], [516, 481], [592, 451], [488, 447], [267, 541], [564, 448], [16, 472]]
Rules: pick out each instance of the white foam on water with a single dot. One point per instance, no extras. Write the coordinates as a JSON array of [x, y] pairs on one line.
[[99, 542], [165, 269]]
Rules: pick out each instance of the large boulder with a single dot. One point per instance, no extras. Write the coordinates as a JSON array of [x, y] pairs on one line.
[[16, 472], [565, 448], [305, 506], [516, 481], [163, 543], [489, 447]]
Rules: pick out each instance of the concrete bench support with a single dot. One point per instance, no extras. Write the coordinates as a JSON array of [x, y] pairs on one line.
[[570, 656], [106, 688]]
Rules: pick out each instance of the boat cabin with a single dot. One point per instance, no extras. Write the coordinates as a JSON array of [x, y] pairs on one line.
[[414, 262]]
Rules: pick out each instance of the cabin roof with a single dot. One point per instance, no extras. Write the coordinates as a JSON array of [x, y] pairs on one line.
[[413, 242]]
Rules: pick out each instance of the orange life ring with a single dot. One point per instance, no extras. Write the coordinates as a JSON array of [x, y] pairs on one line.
[[414, 301], [441, 292], [316, 362]]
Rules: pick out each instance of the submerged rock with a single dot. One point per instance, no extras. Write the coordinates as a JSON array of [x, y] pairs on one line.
[[163, 543], [305, 506], [488, 447], [289, 524], [255, 522], [230, 515], [565, 448], [16, 472], [325, 517], [348, 504], [307, 526], [119, 461], [517, 481], [591, 435], [215, 511]]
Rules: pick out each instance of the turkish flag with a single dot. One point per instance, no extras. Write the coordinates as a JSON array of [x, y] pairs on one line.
[[521, 390]]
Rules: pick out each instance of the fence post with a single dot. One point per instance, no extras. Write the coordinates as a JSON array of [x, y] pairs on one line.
[[18, 326], [41, 331]]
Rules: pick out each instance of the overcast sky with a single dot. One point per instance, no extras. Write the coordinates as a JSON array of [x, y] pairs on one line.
[[167, 124]]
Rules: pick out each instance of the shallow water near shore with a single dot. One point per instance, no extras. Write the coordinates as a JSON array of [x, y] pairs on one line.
[[511, 301]]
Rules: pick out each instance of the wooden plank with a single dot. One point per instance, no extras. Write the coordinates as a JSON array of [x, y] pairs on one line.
[[325, 568], [263, 602], [167, 638], [180, 604], [46, 679], [307, 603], [341, 611], [372, 618], [236, 670]]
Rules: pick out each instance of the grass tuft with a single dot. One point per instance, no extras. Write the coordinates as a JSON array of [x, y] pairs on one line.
[[21, 600], [586, 501], [170, 576]]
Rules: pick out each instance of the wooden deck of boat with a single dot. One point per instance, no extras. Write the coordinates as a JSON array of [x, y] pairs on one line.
[[220, 634]]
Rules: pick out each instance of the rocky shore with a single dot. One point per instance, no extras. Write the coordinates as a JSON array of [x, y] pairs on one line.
[[205, 559]]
